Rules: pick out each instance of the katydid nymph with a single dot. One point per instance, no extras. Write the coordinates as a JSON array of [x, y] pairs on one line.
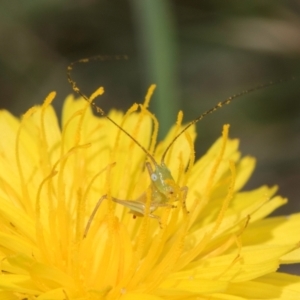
[[164, 189]]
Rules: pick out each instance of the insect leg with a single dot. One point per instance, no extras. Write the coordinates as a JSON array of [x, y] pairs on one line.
[[88, 225], [184, 190]]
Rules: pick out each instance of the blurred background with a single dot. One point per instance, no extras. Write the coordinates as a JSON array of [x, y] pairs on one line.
[[197, 52]]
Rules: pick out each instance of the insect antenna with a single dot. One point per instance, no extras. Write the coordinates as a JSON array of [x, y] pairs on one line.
[[97, 108], [219, 105]]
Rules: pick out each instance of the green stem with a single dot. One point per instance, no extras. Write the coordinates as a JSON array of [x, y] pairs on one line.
[[155, 28]]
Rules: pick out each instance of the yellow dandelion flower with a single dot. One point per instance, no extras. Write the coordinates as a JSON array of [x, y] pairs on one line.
[[208, 240]]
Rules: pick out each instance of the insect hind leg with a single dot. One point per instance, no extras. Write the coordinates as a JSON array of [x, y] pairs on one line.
[[130, 204], [88, 225]]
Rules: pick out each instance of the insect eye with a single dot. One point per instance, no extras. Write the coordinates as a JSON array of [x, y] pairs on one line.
[[153, 177]]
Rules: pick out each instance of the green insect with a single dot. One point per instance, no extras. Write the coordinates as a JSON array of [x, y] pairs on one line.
[[164, 189]]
